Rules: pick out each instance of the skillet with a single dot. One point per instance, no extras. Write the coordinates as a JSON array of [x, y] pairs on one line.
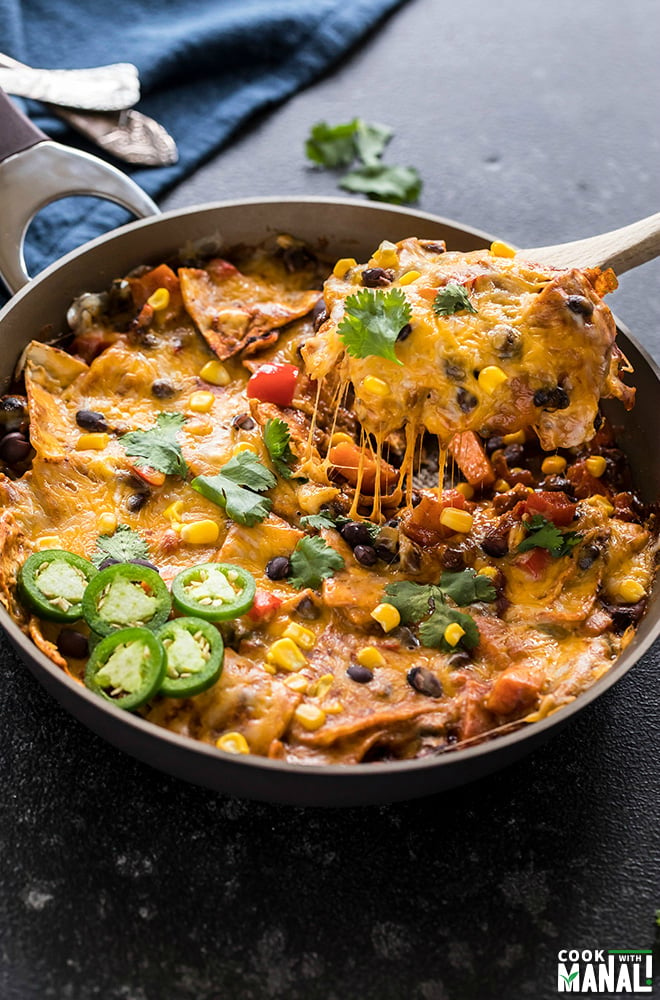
[[35, 171]]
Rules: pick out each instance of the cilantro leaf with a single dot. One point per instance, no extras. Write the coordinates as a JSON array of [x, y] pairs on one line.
[[413, 601], [466, 587], [277, 436], [432, 631], [312, 561], [543, 534], [237, 486], [372, 322], [317, 521], [452, 299], [332, 145], [124, 545], [158, 448], [380, 182], [370, 140]]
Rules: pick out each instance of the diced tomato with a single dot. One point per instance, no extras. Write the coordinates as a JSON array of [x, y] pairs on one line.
[[423, 523], [264, 607], [346, 456], [535, 562], [583, 483], [273, 383], [514, 690], [145, 285], [553, 506], [93, 342]]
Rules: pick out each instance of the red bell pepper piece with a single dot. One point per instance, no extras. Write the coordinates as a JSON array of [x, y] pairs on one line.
[[264, 606], [553, 506], [535, 562], [274, 383]]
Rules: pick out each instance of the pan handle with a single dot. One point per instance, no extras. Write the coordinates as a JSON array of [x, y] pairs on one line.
[[35, 171]]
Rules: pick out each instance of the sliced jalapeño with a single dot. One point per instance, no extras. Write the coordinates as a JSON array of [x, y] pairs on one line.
[[214, 591], [194, 653], [127, 667], [126, 595], [52, 584]]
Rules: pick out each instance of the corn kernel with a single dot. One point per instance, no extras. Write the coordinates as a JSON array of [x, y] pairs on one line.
[[501, 486], [333, 707], [297, 682], [465, 490], [49, 542], [517, 437], [343, 266], [488, 571], [596, 465], [174, 511], [453, 633], [310, 717], [270, 668], [232, 743], [387, 255], [303, 637], [200, 532], [201, 402], [93, 442], [373, 386], [631, 591], [286, 654], [456, 520], [603, 503], [320, 687], [106, 523], [387, 616], [501, 249], [553, 465], [339, 437], [244, 446], [215, 373], [370, 657], [491, 377], [409, 277], [158, 300], [199, 428]]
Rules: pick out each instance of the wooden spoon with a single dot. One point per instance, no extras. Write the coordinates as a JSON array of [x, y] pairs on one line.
[[621, 249]]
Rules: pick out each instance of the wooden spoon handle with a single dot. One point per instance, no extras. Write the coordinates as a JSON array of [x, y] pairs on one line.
[[622, 249]]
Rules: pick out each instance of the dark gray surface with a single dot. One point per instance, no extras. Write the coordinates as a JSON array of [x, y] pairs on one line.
[[538, 123]]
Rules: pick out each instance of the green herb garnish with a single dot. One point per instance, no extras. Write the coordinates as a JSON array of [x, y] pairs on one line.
[[543, 534], [432, 631], [237, 487], [158, 448], [452, 299], [372, 321], [381, 182], [277, 439], [312, 561], [124, 546], [339, 145]]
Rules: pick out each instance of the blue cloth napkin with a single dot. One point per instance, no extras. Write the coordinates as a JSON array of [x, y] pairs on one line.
[[205, 67]]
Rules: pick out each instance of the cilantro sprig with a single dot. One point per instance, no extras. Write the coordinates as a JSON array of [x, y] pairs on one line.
[[124, 545], [158, 448], [372, 321], [277, 438], [312, 561], [452, 298], [543, 534], [426, 604], [237, 488], [334, 146]]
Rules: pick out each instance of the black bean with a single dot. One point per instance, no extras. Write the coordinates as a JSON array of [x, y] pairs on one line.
[[557, 484], [454, 370], [513, 454], [404, 332], [136, 501], [278, 568], [365, 555], [387, 554], [162, 389], [356, 533], [555, 398], [73, 644], [459, 659], [376, 277], [580, 305], [296, 258], [495, 545], [146, 563], [243, 421], [506, 341], [405, 637], [424, 680], [624, 615], [14, 448], [493, 443], [588, 556], [13, 414], [108, 562], [307, 609], [91, 420], [453, 559], [319, 314], [434, 246], [361, 675], [466, 399]]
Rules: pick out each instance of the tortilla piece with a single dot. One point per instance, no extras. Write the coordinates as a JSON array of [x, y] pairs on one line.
[[236, 312]]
